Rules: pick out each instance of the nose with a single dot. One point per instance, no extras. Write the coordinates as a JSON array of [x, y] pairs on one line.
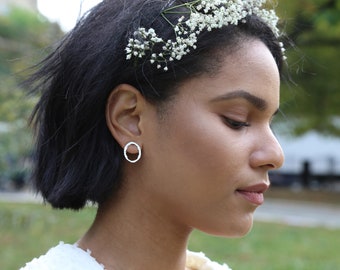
[[268, 153]]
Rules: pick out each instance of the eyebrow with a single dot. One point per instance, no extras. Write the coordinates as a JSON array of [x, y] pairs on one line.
[[257, 102]]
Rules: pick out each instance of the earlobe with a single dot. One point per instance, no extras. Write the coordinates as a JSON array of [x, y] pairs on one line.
[[123, 112]]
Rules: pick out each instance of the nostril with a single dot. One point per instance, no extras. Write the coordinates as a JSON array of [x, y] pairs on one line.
[[269, 155], [278, 162], [271, 166]]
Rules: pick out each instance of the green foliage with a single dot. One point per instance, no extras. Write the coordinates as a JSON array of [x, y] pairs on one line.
[[15, 152], [312, 100], [15, 103], [28, 231], [15, 136], [23, 35]]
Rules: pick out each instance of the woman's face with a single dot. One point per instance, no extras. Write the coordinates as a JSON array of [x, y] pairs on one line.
[[207, 163]]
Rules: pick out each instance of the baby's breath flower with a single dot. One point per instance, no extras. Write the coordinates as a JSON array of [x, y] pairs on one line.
[[204, 15]]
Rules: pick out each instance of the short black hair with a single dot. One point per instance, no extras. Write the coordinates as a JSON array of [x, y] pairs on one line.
[[76, 158]]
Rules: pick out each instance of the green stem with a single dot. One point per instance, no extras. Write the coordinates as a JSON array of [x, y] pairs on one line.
[[189, 5], [165, 18]]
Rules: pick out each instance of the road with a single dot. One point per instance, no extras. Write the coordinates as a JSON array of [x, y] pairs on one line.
[[293, 213], [19, 197]]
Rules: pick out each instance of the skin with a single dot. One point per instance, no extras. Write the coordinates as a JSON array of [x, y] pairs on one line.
[[215, 141]]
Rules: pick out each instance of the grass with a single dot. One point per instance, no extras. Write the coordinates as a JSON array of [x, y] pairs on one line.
[[275, 247], [28, 230]]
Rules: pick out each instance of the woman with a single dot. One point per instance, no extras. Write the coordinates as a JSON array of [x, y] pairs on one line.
[[159, 112]]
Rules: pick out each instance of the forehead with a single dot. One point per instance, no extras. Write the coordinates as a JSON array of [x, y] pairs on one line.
[[251, 68]]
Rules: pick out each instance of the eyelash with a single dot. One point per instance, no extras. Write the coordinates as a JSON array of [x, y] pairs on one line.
[[236, 125]]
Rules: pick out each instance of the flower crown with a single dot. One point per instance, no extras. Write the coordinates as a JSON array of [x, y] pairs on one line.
[[203, 15]]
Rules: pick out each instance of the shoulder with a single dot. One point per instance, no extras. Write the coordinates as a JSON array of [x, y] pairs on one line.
[[198, 261], [66, 257]]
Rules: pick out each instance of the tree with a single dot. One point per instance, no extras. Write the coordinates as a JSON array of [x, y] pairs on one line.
[[23, 36], [311, 100]]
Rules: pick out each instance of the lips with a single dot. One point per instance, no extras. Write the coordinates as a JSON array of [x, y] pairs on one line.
[[254, 194]]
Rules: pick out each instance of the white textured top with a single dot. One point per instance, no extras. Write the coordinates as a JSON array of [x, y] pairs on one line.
[[65, 257], [71, 257]]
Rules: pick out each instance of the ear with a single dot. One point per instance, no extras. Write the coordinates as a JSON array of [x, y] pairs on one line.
[[123, 112]]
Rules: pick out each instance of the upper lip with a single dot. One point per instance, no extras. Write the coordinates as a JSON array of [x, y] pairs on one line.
[[258, 188]]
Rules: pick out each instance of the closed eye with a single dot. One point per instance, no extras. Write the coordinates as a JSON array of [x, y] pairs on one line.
[[233, 124]]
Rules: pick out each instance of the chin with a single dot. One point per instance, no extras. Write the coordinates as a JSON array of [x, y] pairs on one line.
[[242, 233], [234, 230]]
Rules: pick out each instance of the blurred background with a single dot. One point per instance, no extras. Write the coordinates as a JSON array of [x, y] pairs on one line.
[[308, 126]]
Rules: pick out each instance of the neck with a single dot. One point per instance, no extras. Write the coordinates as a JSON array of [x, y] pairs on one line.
[[131, 233]]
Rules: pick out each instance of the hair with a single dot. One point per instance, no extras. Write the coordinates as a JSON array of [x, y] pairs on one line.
[[76, 158]]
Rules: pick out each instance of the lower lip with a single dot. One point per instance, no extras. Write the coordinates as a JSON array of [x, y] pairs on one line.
[[252, 197]]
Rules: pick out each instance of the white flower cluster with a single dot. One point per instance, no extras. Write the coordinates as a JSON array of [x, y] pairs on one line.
[[204, 15]]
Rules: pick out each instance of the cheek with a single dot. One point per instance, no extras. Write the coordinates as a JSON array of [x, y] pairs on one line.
[[201, 153], [195, 163], [206, 165], [209, 143]]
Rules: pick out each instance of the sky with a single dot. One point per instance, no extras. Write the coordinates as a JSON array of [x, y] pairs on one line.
[[65, 12]]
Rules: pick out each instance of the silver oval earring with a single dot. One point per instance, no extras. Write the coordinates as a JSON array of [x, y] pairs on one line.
[[139, 152]]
